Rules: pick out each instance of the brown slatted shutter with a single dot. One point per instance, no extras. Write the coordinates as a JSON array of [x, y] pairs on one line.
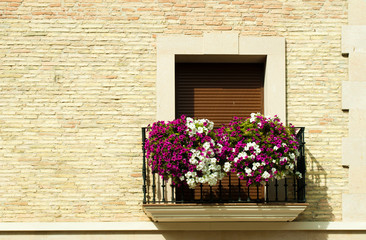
[[219, 91]]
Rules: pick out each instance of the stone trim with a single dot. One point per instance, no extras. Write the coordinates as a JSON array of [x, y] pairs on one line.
[[221, 45]]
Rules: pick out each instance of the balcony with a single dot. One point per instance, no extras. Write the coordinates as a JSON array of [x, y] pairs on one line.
[[230, 200]]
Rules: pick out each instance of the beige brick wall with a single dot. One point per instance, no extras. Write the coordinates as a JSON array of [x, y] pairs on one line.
[[77, 82]]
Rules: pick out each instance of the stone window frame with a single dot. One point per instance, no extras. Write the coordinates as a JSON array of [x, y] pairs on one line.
[[220, 47]]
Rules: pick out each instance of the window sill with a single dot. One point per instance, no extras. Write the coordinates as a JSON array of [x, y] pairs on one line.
[[234, 212]]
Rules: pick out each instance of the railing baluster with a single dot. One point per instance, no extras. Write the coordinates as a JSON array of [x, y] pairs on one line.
[[286, 190], [154, 188], [257, 193], [276, 188], [172, 186], [182, 193], [211, 195], [239, 188], [220, 191], [163, 187], [144, 164], [267, 192], [229, 187], [294, 185], [201, 191], [248, 193]]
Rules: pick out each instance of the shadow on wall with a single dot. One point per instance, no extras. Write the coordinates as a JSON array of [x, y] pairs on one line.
[[319, 208], [246, 235]]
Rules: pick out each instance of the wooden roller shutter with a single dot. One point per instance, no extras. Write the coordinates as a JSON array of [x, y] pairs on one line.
[[219, 91]]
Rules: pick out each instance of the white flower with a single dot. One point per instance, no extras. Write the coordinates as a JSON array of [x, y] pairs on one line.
[[206, 145], [210, 125], [212, 167], [242, 154], [200, 166], [275, 148], [189, 120], [191, 183], [200, 130], [219, 147], [188, 174], [297, 153], [255, 166], [193, 161], [299, 175], [292, 155], [181, 178], [227, 167], [212, 181], [291, 166], [273, 170], [252, 117], [266, 175], [248, 170]]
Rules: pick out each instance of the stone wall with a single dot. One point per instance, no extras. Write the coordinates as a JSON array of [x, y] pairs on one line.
[[353, 100]]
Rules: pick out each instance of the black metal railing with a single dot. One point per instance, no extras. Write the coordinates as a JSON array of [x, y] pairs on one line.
[[229, 190]]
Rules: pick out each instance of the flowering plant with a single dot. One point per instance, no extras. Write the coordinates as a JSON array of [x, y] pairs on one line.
[[257, 148], [261, 148], [185, 150]]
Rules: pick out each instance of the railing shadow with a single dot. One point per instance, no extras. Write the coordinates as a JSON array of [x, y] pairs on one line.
[[319, 208]]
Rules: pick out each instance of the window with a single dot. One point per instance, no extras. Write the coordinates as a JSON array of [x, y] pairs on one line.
[[215, 48]]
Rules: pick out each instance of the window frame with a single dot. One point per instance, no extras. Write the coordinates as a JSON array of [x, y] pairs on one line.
[[220, 46]]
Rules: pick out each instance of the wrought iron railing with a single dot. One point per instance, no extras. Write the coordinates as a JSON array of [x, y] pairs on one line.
[[230, 190]]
